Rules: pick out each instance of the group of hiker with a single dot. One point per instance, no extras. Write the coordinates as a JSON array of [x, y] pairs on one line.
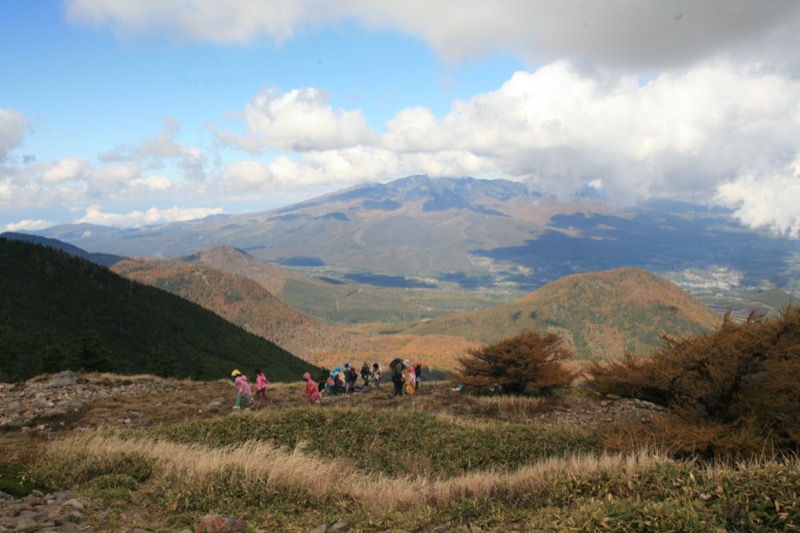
[[344, 380], [404, 376]]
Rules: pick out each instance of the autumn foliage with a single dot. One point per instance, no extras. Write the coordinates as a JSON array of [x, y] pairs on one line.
[[529, 360], [733, 392]]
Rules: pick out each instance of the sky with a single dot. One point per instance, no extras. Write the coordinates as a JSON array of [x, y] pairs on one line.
[[133, 112]]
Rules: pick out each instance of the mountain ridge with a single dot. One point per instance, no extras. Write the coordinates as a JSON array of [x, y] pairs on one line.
[[488, 234]]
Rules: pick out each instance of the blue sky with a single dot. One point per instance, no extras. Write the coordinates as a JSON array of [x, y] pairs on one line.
[[124, 113]]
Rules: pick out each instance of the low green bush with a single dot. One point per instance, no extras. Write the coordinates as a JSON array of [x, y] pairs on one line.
[[404, 442], [64, 472], [17, 481]]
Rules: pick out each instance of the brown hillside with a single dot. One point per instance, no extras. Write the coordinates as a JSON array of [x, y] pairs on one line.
[[229, 259], [438, 352], [245, 303], [601, 315]]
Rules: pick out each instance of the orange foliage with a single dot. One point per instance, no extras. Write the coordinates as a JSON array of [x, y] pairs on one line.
[[528, 360], [735, 392]]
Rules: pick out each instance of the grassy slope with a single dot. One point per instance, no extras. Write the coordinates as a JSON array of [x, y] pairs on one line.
[[379, 464]]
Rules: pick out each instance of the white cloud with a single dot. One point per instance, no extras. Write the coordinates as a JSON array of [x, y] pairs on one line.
[[249, 143], [620, 33], [303, 120], [152, 183], [29, 225], [114, 177], [13, 125], [766, 199], [95, 215], [69, 169], [152, 153], [246, 175], [680, 135]]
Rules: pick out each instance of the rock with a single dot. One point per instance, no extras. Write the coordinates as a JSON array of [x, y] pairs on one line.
[[63, 379], [214, 523], [74, 503], [75, 404], [341, 525], [40, 512], [27, 524], [55, 411], [319, 529]]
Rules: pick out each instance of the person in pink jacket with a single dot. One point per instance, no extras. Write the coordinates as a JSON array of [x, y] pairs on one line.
[[312, 390], [244, 394], [261, 385]]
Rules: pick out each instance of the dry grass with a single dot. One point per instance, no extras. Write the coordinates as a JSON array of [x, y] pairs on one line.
[[261, 464]]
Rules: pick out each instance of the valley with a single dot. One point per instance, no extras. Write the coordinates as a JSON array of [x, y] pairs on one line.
[[428, 269]]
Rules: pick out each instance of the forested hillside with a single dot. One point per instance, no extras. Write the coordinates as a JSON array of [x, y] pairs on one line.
[[61, 312]]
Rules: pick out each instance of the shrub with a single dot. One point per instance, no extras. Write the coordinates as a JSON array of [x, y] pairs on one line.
[[16, 480], [735, 391], [513, 365]]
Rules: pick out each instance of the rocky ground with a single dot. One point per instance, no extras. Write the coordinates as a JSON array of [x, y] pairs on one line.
[[44, 408]]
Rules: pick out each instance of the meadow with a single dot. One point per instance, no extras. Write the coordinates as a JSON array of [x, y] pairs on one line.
[[439, 460]]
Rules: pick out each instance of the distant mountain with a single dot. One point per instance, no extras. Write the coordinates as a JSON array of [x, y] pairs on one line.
[[101, 259], [601, 314], [59, 311], [243, 301], [418, 232]]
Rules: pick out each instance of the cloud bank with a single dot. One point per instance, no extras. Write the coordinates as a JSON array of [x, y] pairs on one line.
[[670, 99], [621, 33]]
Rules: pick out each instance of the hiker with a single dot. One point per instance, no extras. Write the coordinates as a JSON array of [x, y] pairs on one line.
[[261, 385], [335, 385], [365, 373], [350, 377], [408, 377], [396, 366], [417, 375], [312, 390], [375, 378], [244, 395]]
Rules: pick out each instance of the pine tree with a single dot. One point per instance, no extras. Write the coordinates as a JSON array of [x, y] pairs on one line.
[[529, 360]]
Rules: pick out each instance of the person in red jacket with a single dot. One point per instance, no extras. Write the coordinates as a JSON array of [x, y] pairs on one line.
[[312, 389], [261, 385]]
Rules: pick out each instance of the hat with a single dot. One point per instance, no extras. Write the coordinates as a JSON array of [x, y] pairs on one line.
[[306, 376], [347, 364], [407, 362], [235, 373]]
